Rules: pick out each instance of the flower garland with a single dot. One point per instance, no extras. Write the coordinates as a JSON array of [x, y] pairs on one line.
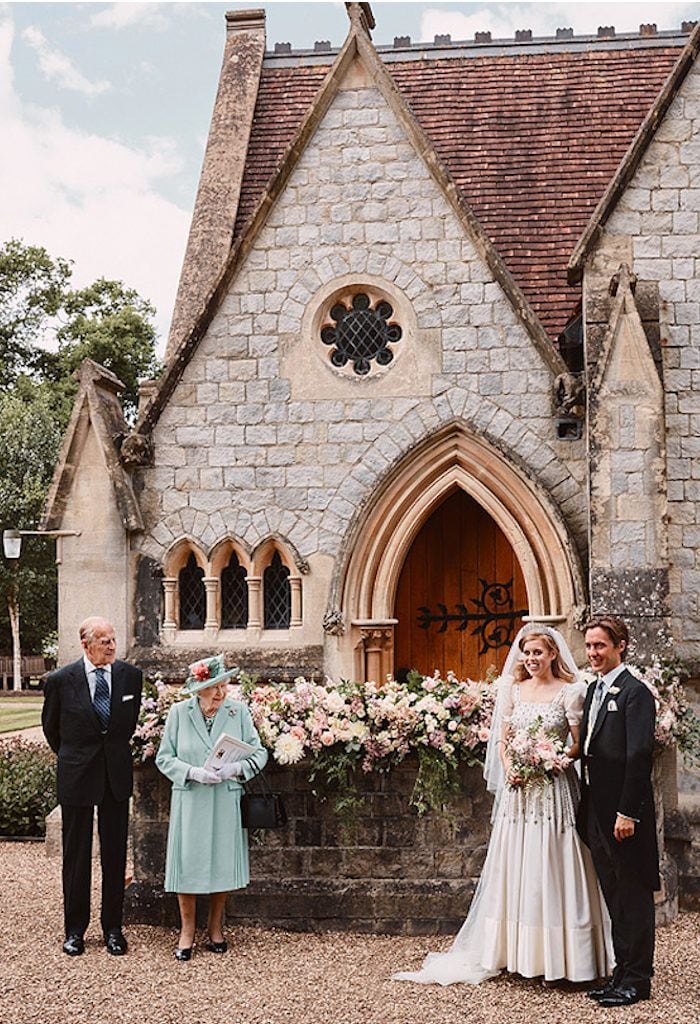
[[346, 728]]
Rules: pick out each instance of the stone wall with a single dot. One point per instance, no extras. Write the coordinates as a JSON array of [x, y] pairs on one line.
[[263, 436], [655, 230], [391, 872]]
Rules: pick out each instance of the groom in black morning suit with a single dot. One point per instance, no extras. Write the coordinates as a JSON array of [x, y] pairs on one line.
[[616, 818], [90, 712]]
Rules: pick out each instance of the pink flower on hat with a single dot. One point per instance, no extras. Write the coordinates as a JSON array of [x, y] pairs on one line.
[[200, 672]]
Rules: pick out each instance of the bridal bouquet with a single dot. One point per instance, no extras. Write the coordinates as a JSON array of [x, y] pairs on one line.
[[535, 756]]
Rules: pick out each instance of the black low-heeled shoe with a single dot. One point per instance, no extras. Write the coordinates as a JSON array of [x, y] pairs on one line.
[[217, 947], [183, 954]]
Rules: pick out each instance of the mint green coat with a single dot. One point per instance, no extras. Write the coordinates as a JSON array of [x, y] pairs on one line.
[[207, 845]]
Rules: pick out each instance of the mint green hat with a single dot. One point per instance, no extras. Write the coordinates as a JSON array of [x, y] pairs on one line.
[[207, 672]]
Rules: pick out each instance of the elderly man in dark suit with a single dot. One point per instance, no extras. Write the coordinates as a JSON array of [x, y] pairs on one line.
[[90, 712], [616, 816]]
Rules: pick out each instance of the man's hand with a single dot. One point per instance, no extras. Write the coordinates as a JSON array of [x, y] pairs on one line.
[[624, 828]]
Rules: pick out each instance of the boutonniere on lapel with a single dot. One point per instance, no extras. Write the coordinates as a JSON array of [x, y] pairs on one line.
[[612, 705], [613, 689]]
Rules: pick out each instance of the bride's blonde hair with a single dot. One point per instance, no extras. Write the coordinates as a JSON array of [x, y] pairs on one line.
[[558, 670]]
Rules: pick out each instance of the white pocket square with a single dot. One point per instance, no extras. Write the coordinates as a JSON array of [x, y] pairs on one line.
[[612, 706], [128, 696]]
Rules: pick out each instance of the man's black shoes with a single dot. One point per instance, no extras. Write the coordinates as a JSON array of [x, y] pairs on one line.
[[74, 945], [115, 942], [626, 996]]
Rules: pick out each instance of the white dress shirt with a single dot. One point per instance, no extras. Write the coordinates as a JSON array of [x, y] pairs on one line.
[[92, 678]]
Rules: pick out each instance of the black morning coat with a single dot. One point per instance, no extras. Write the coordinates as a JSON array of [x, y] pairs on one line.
[[86, 757], [619, 766]]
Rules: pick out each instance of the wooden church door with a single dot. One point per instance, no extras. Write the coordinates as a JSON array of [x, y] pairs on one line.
[[461, 593]]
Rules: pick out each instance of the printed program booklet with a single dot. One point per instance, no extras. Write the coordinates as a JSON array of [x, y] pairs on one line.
[[228, 749]]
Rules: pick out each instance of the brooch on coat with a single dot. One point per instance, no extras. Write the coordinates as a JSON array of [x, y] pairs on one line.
[[232, 712]]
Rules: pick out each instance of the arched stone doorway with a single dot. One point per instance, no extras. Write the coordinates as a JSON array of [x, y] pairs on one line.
[[364, 590], [461, 595]]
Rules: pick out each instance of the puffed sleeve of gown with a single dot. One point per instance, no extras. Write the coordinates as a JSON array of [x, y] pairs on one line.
[[574, 696]]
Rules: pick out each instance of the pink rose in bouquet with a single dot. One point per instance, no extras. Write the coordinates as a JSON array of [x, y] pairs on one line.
[[535, 757]]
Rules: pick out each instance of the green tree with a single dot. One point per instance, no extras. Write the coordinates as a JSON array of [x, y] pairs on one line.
[[47, 328], [30, 438], [32, 288]]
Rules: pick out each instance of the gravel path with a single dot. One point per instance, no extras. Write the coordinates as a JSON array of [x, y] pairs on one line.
[[275, 977], [35, 734]]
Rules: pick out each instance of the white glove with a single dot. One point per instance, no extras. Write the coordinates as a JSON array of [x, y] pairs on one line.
[[203, 776], [230, 770]]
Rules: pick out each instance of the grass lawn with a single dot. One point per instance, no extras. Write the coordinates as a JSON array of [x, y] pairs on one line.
[[20, 712]]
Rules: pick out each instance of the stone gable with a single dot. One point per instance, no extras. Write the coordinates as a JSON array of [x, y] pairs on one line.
[[263, 436]]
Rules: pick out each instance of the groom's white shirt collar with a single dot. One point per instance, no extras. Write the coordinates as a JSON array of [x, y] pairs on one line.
[[609, 678]]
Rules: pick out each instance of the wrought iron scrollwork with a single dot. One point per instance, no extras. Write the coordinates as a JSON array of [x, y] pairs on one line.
[[494, 616]]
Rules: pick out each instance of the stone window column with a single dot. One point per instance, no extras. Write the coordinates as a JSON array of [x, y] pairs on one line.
[[169, 621], [211, 623], [295, 588], [254, 602]]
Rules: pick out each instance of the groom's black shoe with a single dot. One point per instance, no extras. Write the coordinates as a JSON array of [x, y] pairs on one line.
[[598, 993], [626, 996]]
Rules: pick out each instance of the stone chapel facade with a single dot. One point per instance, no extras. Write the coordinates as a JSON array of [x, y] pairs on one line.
[[433, 367]]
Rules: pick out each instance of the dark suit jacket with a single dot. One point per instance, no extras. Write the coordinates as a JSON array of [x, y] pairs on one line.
[[619, 766], [87, 760]]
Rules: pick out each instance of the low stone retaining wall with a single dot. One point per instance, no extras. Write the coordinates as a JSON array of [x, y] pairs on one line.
[[392, 872]]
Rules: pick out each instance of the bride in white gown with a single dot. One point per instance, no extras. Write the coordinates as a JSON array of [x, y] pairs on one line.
[[538, 909]]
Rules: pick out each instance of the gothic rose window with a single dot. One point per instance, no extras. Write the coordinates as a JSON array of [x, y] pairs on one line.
[[234, 595], [361, 333], [193, 602], [277, 595]]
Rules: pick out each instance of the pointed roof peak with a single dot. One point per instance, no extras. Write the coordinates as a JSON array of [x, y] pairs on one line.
[[90, 372], [361, 17]]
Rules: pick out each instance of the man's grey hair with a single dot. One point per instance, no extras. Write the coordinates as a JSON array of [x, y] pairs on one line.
[[89, 626]]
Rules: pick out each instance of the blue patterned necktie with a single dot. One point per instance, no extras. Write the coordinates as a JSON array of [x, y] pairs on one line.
[[101, 699]]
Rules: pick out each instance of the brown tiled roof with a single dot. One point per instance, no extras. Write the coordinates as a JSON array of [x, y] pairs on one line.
[[532, 140]]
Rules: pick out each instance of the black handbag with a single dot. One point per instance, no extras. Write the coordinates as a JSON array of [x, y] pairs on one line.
[[260, 807]]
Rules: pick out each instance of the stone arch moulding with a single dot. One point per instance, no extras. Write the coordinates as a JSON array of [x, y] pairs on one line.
[[221, 553], [365, 588], [177, 554]]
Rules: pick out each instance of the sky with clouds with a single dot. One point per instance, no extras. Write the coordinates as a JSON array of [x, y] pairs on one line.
[[105, 111]]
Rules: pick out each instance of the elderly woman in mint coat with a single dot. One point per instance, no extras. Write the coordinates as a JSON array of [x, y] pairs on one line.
[[207, 844]]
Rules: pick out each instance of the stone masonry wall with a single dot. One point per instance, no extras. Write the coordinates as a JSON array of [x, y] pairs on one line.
[[263, 436], [655, 229], [391, 872]]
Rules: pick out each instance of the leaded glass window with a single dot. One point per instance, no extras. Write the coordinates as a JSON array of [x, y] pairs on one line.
[[361, 332], [277, 595], [234, 595], [193, 602]]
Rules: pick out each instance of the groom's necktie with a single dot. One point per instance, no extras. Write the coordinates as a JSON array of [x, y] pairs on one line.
[[101, 699], [594, 709]]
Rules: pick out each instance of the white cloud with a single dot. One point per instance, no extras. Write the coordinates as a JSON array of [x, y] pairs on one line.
[[126, 15], [57, 67], [89, 198], [502, 19]]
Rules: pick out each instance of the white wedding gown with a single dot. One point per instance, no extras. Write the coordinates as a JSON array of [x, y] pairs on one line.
[[538, 909]]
